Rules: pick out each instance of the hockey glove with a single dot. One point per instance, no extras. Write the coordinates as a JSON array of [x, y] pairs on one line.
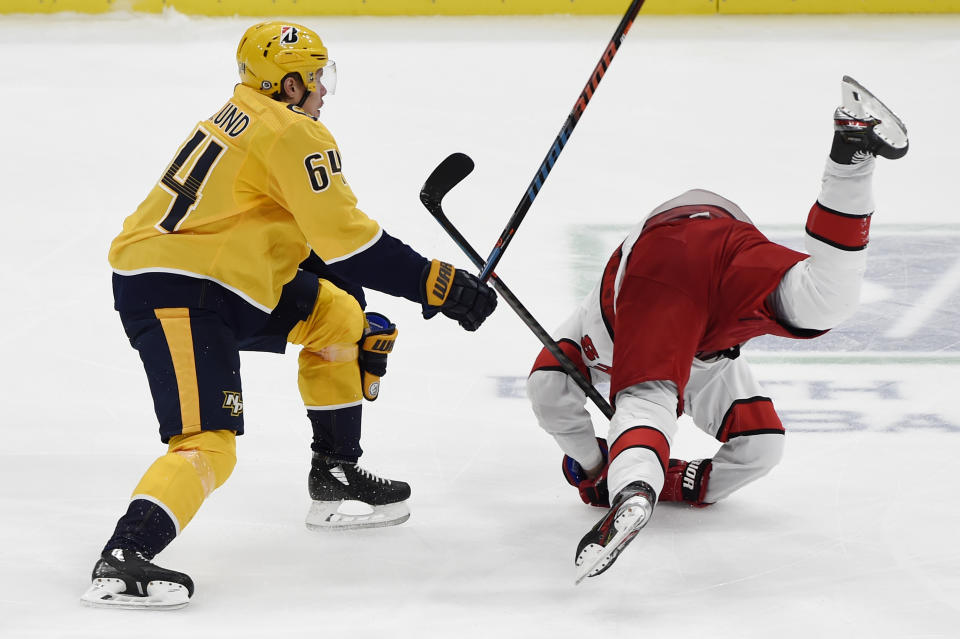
[[687, 481], [593, 492], [457, 294], [376, 343]]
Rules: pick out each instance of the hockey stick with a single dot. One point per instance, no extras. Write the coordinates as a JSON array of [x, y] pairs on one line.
[[447, 175], [561, 140]]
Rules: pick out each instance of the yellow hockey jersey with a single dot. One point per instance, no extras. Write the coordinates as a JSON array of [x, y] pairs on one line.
[[248, 194]]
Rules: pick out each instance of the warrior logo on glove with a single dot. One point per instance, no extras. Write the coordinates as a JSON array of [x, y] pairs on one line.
[[378, 339], [441, 282], [457, 294]]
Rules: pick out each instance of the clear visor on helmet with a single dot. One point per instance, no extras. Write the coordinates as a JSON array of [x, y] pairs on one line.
[[327, 76]]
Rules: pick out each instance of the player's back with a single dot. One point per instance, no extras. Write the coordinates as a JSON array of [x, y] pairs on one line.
[[222, 209]]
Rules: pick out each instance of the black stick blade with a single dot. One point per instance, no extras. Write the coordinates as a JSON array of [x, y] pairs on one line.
[[447, 175]]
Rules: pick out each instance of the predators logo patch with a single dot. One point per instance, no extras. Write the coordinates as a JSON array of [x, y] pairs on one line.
[[233, 401]]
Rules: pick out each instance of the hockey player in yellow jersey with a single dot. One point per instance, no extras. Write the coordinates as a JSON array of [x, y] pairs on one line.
[[252, 239]]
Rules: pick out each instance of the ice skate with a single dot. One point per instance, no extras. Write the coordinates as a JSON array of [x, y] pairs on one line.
[[126, 579], [864, 126], [630, 512], [346, 496]]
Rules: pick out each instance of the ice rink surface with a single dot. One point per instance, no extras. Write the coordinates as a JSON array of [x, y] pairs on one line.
[[854, 535]]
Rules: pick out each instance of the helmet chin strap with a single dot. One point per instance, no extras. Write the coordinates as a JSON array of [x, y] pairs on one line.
[[306, 94]]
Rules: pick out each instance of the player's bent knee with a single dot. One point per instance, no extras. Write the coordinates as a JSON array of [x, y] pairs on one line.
[[344, 325], [821, 292], [212, 453], [772, 450], [336, 323], [741, 461], [761, 453]]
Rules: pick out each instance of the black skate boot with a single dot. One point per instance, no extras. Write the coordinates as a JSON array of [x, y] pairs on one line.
[[865, 127], [347, 496], [599, 548], [126, 579]]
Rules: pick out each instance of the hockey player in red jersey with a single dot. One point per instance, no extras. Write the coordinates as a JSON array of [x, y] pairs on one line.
[[688, 286], [251, 239]]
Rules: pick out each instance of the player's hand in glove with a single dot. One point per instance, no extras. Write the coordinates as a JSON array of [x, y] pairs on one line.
[[593, 492], [376, 343], [457, 294]]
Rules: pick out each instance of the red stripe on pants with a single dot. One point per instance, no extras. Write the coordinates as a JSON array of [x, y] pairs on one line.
[[749, 417], [643, 437], [546, 361], [848, 232]]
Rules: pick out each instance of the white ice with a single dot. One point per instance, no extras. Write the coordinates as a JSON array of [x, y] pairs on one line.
[[854, 535]]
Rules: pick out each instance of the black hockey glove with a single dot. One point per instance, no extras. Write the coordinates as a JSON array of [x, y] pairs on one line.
[[376, 343], [457, 294]]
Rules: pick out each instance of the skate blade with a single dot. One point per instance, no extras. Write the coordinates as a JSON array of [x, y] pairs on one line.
[[350, 515], [595, 559], [891, 129], [161, 595]]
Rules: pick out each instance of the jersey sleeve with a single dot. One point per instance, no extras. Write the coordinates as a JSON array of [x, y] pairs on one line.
[[559, 404], [388, 266], [308, 180]]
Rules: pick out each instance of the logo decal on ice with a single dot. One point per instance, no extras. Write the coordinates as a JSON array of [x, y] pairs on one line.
[[233, 401], [289, 35]]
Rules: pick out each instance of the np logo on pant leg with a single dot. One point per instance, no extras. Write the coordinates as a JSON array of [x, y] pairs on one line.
[[233, 401]]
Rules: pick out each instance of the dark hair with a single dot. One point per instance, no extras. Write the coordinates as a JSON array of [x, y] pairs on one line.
[[278, 94]]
